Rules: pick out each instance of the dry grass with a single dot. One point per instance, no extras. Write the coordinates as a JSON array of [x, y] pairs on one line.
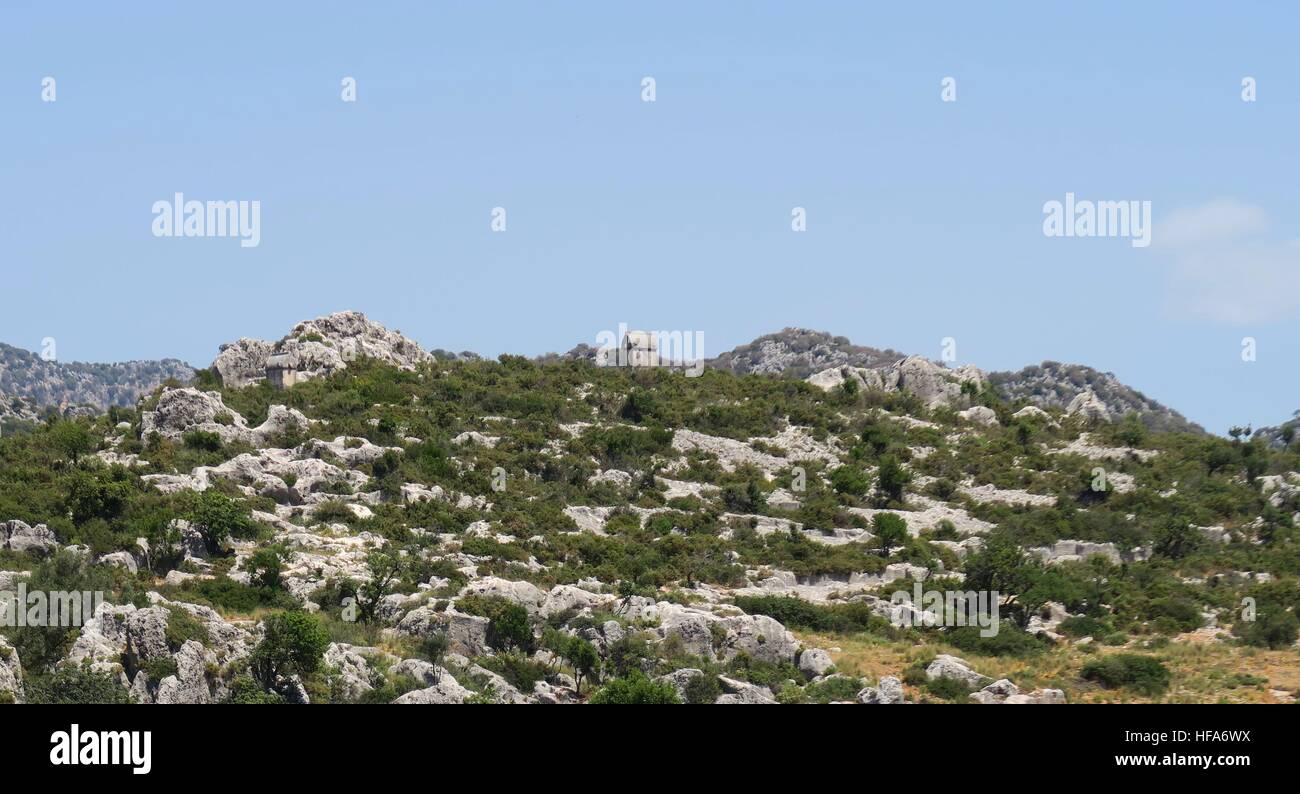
[[1203, 672]]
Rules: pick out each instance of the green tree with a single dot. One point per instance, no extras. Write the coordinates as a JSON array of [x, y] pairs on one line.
[[385, 570], [891, 479], [1176, 538], [1273, 627], [71, 438], [218, 518], [850, 481], [293, 643], [582, 656], [265, 566], [1003, 568], [890, 530]]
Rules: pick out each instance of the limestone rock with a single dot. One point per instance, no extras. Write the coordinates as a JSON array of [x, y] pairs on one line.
[[355, 678], [679, 679], [11, 673], [17, 536], [444, 689], [815, 662], [980, 415], [945, 666], [319, 347], [888, 691], [1088, 405], [737, 692]]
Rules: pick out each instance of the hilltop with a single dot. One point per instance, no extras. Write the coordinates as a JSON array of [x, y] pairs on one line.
[[401, 527]]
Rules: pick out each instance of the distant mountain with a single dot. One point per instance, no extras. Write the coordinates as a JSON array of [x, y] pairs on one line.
[[1052, 384], [799, 352], [29, 384]]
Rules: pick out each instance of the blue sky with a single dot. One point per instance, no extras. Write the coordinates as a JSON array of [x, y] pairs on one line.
[[924, 217]]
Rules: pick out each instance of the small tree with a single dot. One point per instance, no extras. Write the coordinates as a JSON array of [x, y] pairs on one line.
[[1176, 538], [265, 566], [850, 481], [218, 518], [72, 438], [891, 479], [582, 655], [293, 643], [1002, 567], [385, 570], [890, 530]]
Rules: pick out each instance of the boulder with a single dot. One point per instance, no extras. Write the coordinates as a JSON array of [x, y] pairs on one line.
[[814, 662], [737, 692], [522, 593], [887, 692], [760, 637], [120, 559], [679, 679], [17, 536], [945, 666], [980, 415], [1089, 406], [189, 684], [355, 678], [444, 689]]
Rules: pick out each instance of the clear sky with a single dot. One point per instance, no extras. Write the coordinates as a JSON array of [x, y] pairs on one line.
[[924, 217]]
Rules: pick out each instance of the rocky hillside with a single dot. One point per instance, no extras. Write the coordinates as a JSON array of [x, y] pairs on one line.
[[1282, 436], [801, 353], [29, 384], [1054, 385], [315, 348], [798, 352], [400, 528]]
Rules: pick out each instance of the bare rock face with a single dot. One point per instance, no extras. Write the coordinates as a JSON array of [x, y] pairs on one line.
[[318, 347], [1056, 385], [181, 410], [17, 536], [443, 687], [799, 352], [11, 673], [355, 676], [243, 362], [1089, 406], [934, 384]]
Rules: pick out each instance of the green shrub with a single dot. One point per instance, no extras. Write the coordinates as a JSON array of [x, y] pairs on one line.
[[947, 688], [702, 689], [835, 688], [508, 625], [1146, 675], [182, 627], [1273, 627], [1009, 641], [293, 643], [636, 689], [77, 685]]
